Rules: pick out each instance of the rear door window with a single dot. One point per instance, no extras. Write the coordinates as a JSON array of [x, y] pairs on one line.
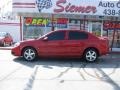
[[76, 35]]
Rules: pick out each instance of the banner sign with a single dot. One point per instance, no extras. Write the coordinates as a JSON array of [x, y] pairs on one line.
[[111, 25], [85, 7], [57, 22]]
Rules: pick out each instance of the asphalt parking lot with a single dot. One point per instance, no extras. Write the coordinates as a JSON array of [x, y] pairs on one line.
[[59, 74]]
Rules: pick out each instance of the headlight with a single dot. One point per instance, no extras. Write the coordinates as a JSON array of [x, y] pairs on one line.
[[17, 44]]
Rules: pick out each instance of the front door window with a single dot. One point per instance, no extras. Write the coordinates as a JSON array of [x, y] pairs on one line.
[[56, 36], [55, 44]]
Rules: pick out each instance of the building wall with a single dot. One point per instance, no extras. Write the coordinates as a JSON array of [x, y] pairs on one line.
[[80, 7], [5, 7], [12, 27]]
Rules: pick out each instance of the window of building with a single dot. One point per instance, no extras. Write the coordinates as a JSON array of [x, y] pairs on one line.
[[96, 28]]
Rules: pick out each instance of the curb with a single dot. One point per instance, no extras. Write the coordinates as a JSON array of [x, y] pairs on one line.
[[6, 48], [114, 52]]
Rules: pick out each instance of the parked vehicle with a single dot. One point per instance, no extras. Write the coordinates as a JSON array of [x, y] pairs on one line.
[[5, 39], [63, 43]]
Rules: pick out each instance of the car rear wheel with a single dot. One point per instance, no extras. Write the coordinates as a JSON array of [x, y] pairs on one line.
[[29, 54], [90, 55]]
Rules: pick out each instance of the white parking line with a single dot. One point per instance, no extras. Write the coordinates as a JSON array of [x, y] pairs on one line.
[[30, 82]]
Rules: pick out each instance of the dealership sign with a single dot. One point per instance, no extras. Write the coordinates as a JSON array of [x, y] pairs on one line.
[[85, 7], [46, 22], [111, 25]]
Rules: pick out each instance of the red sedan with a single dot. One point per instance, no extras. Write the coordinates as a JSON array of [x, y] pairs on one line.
[[5, 39], [63, 43]]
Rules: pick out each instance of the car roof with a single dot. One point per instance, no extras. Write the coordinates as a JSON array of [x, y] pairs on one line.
[[70, 30]]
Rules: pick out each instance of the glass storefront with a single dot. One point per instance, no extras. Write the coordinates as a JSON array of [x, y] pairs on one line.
[[114, 38], [30, 32], [35, 27], [78, 24], [97, 28], [113, 33]]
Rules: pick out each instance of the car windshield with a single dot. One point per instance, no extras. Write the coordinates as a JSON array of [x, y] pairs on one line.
[[43, 35], [2, 34]]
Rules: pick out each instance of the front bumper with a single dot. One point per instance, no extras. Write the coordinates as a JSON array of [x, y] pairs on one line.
[[16, 51]]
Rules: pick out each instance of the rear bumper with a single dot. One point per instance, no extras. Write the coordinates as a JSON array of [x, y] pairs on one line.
[[105, 51]]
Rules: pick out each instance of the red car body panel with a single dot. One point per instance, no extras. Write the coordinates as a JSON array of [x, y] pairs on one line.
[[63, 48]]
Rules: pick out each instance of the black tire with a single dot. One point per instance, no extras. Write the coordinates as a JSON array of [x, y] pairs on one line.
[[29, 54], [90, 55]]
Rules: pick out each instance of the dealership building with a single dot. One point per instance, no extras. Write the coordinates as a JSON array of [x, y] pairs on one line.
[[38, 17]]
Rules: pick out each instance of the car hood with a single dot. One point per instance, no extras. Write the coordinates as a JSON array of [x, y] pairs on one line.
[[31, 41], [28, 40]]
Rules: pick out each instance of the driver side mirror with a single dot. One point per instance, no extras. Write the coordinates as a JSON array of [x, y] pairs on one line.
[[45, 38]]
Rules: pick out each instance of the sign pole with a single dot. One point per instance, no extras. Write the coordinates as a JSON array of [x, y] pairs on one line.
[[84, 22], [21, 28], [52, 20], [113, 39]]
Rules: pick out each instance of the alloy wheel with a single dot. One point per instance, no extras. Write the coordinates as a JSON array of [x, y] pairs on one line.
[[91, 55], [29, 54]]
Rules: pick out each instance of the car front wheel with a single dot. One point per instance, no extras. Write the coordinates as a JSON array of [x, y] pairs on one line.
[[90, 55], [29, 54]]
